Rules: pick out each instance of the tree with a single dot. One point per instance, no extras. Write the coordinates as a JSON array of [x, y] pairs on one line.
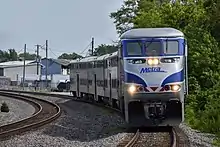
[[123, 18], [13, 56], [105, 49], [69, 56], [28, 56], [199, 21], [213, 11]]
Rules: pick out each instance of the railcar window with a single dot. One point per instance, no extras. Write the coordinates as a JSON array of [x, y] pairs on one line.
[[105, 64], [153, 48], [90, 82], [114, 83], [89, 65], [100, 83], [94, 65], [134, 48], [106, 83], [72, 80], [114, 62], [99, 64], [83, 81], [75, 66], [171, 47], [72, 66]]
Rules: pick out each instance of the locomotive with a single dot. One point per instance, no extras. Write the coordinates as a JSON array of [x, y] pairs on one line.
[[146, 78]]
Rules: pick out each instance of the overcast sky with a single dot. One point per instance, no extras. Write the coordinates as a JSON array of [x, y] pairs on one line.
[[67, 24]]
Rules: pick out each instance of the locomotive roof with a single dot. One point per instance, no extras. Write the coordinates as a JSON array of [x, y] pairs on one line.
[[151, 32]]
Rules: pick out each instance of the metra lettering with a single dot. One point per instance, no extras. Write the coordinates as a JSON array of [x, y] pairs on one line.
[[151, 69]]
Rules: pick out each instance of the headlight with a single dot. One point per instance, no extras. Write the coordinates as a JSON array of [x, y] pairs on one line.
[[153, 61], [170, 60], [175, 87], [131, 89]]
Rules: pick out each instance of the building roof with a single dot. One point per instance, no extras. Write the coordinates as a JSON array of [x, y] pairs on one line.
[[63, 62], [18, 63], [151, 33]]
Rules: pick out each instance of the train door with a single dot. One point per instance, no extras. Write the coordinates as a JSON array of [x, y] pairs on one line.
[[95, 95], [110, 88], [77, 84]]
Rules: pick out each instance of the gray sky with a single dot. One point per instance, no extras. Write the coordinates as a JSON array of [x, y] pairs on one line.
[[67, 24]]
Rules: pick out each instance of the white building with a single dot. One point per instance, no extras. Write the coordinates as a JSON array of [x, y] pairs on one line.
[[14, 70]]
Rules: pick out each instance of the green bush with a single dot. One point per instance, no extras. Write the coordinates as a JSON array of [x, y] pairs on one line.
[[197, 20], [4, 107]]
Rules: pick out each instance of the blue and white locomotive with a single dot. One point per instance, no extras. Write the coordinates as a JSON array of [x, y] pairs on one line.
[[146, 78]]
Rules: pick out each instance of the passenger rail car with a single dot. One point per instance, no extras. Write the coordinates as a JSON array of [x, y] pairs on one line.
[[146, 78]]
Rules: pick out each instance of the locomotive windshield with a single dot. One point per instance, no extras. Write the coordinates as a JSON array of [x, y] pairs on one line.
[[171, 47], [134, 48], [153, 48]]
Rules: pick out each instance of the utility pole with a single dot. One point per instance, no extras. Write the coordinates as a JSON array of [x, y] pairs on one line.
[[92, 46], [38, 46], [37, 59], [46, 62], [25, 48]]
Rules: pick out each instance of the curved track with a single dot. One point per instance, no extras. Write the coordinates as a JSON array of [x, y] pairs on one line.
[[45, 113]]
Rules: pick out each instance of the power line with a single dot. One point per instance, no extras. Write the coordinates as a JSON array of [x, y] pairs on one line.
[[86, 48], [53, 53]]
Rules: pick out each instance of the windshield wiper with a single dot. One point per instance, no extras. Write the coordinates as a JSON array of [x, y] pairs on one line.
[[149, 43]]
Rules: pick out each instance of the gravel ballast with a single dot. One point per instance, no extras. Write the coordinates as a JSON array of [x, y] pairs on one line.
[[196, 138], [79, 125], [18, 110], [85, 125]]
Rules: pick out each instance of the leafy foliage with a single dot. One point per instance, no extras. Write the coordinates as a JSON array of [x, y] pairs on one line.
[[105, 49], [199, 20], [28, 56], [69, 56], [12, 55]]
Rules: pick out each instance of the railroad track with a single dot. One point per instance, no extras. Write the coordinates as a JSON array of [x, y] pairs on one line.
[[143, 138], [174, 136], [45, 113]]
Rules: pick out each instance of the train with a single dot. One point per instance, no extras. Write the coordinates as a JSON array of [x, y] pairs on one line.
[[146, 79]]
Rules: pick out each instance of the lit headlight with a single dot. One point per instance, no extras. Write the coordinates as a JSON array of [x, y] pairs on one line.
[[131, 89], [153, 61], [175, 87]]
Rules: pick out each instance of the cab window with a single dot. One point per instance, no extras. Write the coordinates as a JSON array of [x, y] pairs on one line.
[[171, 47], [153, 48], [134, 48]]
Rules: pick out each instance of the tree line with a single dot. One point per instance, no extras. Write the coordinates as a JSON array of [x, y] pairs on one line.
[[199, 21], [12, 55]]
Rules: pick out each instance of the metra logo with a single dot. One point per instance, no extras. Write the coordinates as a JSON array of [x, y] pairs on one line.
[[151, 69]]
